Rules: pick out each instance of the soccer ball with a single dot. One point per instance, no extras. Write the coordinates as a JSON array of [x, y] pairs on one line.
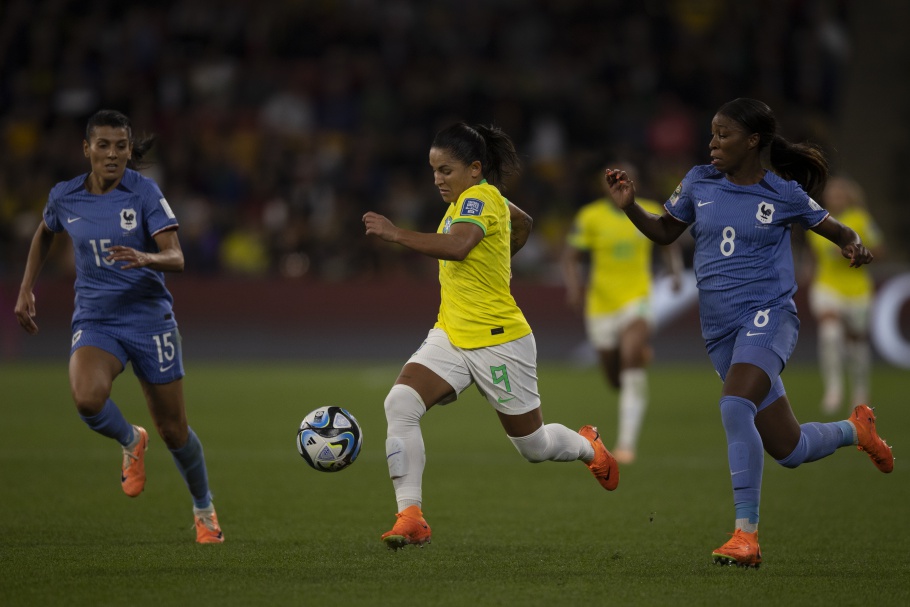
[[329, 439]]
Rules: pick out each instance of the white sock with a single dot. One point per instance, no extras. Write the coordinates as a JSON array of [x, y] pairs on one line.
[[553, 443], [404, 448], [860, 356], [830, 358], [633, 400]]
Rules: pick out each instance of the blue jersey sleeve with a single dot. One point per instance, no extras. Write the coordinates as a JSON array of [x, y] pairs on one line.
[[157, 213], [51, 212], [808, 212], [681, 204]]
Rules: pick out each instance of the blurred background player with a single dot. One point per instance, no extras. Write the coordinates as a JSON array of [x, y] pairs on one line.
[[616, 301], [481, 336], [740, 215], [124, 236], [840, 298]]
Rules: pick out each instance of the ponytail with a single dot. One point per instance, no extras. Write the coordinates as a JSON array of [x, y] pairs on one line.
[[141, 147], [489, 145], [503, 159], [804, 163]]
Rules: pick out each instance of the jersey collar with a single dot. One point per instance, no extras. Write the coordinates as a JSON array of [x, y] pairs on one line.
[[79, 183]]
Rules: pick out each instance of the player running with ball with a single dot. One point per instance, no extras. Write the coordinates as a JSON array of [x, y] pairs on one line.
[[481, 336]]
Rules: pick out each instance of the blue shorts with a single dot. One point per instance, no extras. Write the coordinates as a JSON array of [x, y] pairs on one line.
[[156, 357], [767, 340]]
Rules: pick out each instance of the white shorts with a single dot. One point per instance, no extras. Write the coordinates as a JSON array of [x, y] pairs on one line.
[[604, 330], [506, 375], [853, 310]]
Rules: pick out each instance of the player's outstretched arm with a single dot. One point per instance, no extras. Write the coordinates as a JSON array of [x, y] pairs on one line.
[[662, 229], [169, 257], [452, 246], [851, 245], [37, 254]]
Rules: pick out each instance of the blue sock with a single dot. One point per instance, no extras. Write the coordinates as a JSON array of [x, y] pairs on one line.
[[191, 463], [817, 440], [847, 432], [111, 423], [745, 454]]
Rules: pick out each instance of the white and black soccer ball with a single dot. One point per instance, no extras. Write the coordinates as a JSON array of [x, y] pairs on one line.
[[329, 439]]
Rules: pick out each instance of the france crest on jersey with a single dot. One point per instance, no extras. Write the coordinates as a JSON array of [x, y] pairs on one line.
[[743, 260], [128, 219]]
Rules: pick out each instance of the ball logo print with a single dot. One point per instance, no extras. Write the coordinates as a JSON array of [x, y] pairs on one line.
[[329, 439]]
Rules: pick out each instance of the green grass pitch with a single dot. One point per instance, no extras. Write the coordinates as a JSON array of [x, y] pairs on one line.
[[505, 532]]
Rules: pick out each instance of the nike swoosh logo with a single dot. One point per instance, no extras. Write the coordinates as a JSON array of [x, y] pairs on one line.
[[701, 204], [391, 454], [72, 219], [751, 334], [504, 400], [163, 369]]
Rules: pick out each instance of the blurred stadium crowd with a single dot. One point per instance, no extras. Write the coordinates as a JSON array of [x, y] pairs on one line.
[[280, 123]]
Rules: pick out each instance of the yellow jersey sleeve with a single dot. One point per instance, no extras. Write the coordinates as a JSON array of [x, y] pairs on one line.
[[476, 305], [620, 255], [832, 271]]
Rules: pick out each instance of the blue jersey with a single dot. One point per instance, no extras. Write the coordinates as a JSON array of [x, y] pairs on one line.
[[130, 216], [743, 260]]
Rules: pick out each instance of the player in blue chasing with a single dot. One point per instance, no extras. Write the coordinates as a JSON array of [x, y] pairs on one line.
[[124, 236], [740, 215], [481, 336]]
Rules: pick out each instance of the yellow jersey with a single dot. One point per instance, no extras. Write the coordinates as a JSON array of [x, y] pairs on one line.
[[620, 255], [832, 271], [476, 305]]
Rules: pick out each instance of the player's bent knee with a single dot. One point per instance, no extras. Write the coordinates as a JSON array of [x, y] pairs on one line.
[[403, 403], [173, 436], [535, 447], [88, 406], [534, 458], [797, 456]]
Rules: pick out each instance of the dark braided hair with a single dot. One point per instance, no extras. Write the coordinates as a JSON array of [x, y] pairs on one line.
[[488, 144], [802, 162], [116, 119]]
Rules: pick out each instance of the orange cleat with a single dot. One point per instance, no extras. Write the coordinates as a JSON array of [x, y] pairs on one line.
[[208, 531], [867, 439], [410, 528], [603, 466], [132, 470], [741, 550]]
